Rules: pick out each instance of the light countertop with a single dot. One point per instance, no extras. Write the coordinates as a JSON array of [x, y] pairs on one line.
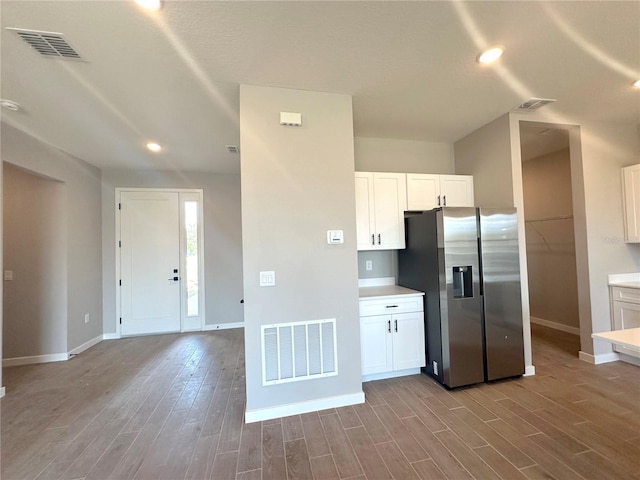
[[629, 337], [626, 280], [387, 291]]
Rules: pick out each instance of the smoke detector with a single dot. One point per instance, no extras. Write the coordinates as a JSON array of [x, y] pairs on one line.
[[9, 105], [533, 104], [48, 44]]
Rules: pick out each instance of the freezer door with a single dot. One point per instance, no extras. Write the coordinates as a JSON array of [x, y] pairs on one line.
[[502, 294], [461, 312]]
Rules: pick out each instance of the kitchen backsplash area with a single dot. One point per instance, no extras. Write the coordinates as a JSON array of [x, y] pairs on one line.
[[377, 264]]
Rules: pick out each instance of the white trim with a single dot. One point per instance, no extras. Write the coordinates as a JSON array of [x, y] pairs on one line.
[[2, 392], [110, 336], [261, 414], [598, 359], [391, 374], [629, 359], [555, 325], [376, 282], [223, 326], [86, 345], [16, 361], [529, 371]]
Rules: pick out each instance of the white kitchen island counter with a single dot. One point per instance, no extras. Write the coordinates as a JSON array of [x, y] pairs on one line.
[[629, 337]]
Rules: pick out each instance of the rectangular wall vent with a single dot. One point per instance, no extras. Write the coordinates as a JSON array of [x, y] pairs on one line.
[[299, 351], [48, 44], [533, 104]]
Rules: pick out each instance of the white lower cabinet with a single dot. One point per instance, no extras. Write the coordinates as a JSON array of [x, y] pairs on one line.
[[625, 313], [392, 344]]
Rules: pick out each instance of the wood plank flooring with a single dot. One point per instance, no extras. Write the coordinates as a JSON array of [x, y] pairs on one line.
[[171, 407]]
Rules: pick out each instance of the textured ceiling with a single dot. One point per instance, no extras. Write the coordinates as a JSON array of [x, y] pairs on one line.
[[173, 75]]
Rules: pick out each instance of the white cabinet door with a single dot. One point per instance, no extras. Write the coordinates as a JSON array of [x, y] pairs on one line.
[[381, 199], [365, 233], [423, 191], [626, 315], [456, 190], [408, 341], [390, 193], [631, 188], [376, 344]]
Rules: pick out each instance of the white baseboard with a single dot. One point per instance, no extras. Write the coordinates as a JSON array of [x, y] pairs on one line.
[[223, 326], [86, 345], [529, 371], [393, 374], [110, 336], [279, 411], [555, 325], [17, 361], [2, 392], [598, 359]]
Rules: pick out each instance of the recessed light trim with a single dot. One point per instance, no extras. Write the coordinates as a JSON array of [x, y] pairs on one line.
[[149, 4], [637, 84], [9, 105], [491, 55], [154, 147]]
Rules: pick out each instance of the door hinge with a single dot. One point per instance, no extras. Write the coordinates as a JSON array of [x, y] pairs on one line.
[[120, 320], [119, 206]]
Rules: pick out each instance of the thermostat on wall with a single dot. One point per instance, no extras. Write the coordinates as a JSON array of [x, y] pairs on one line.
[[335, 237], [291, 119]]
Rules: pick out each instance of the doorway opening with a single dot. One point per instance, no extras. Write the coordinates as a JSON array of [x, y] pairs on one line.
[[159, 261], [550, 234]]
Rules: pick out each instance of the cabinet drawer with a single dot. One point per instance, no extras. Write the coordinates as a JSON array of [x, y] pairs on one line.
[[621, 294], [391, 305]]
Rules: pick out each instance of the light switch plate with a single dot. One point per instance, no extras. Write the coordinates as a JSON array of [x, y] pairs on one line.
[[8, 275], [268, 279]]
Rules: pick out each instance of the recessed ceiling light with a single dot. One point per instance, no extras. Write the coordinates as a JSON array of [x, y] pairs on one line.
[[637, 84], [490, 55], [149, 4], [154, 147], [9, 105]]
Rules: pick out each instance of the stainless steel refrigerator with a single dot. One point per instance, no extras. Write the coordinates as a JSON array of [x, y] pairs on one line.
[[466, 261]]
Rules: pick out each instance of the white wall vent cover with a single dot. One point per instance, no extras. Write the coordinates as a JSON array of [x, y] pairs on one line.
[[48, 44], [299, 351], [533, 104]]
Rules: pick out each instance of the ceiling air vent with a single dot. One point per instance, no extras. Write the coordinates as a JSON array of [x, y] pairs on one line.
[[48, 44], [533, 104]]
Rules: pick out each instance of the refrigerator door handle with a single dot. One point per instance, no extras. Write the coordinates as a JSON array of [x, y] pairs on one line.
[[481, 281]]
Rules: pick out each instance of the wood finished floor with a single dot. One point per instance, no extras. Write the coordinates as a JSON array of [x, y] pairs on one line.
[[171, 407]]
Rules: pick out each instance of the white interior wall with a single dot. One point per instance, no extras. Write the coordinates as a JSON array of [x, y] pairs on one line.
[[222, 238], [551, 253], [35, 300], [81, 227], [402, 156], [297, 183]]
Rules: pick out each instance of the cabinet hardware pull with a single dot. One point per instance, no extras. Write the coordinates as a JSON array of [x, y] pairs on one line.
[[378, 239], [444, 198], [389, 325], [438, 200], [391, 306], [373, 239], [396, 325]]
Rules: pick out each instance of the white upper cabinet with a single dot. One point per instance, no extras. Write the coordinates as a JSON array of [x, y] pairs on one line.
[[631, 201], [425, 191], [381, 199]]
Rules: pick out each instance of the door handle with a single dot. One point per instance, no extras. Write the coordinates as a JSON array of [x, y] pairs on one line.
[[396, 325], [373, 239], [378, 239], [438, 200], [444, 198], [389, 326]]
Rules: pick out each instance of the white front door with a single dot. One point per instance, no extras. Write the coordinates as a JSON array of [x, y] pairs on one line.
[[150, 273]]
